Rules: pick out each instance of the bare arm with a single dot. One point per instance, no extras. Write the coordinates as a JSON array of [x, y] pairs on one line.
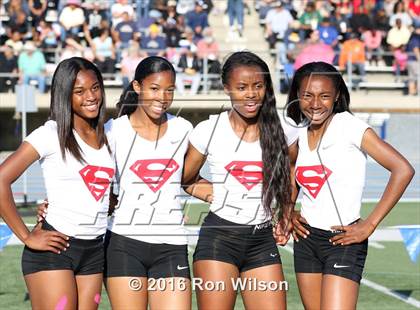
[[10, 170], [401, 174], [191, 181]]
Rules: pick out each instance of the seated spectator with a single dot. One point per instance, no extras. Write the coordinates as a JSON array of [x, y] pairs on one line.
[[185, 6], [49, 34], [117, 10], [360, 22], [398, 35], [314, 49], [401, 13], [170, 14], [381, 22], [353, 51], [15, 41], [277, 22], [38, 9], [129, 62], [154, 43], [413, 50], [125, 32], [328, 33], [309, 20], [72, 18], [197, 19], [341, 23], [190, 67], [31, 63], [20, 23], [104, 52], [373, 39], [414, 11], [8, 67], [264, 6], [173, 35], [208, 48], [14, 7], [95, 14]]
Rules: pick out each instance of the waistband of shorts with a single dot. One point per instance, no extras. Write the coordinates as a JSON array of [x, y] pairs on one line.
[[47, 226], [250, 229], [327, 231]]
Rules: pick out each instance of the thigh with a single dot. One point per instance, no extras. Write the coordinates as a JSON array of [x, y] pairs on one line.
[[213, 284], [127, 292], [170, 293], [89, 289], [270, 292], [52, 289], [310, 285], [339, 293]]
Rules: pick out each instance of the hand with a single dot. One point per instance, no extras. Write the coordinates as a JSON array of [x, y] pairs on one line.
[[279, 234], [46, 240], [42, 210], [354, 233], [298, 228]]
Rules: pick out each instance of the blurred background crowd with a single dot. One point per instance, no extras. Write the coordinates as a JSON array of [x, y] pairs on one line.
[[36, 34]]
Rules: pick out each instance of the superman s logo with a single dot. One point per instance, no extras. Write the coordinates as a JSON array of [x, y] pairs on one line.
[[97, 179], [248, 173], [154, 172], [313, 178]]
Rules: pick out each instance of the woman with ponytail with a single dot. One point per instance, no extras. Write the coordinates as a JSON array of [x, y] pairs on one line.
[[246, 149], [146, 246]]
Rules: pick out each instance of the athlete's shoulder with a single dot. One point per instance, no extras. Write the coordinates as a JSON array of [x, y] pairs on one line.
[[180, 122]]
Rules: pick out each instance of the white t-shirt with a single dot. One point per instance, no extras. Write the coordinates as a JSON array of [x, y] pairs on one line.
[[235, 169], [341, 180], [149, 176], [78, 193]]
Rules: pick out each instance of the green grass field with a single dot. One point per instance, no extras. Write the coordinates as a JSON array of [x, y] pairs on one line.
[[389, 267]]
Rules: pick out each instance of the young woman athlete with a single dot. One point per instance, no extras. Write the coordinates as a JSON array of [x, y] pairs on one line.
[[146, 246], [63, 258], [246, 150], [331, 239]]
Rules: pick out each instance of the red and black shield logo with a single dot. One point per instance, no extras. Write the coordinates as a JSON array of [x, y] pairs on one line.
[[248, 173], [154, 172], [97, 179], [313, 178]]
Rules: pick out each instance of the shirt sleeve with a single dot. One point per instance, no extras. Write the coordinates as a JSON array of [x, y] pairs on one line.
[[290, 129], [42, 140], [355, 128], [201, 135]]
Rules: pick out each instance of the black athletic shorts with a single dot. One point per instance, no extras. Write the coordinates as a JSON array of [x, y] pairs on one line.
[[316, 254], [127, 257], [83, 257], [245, 246]]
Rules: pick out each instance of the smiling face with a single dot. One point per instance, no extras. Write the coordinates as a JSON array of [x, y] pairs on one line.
[[317, 95], [86, 96], [246, 89], [156, 93]]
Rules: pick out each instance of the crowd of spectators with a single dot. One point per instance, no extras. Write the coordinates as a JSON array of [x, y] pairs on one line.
[[116, 34], [36, 34], [345, 33]]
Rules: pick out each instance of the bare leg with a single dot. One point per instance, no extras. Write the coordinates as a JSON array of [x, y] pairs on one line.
[[127, 292], [310, 285], [172, 294], [265, 299], [89, 289], [212, 271], [55, 289], [338, 293]]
